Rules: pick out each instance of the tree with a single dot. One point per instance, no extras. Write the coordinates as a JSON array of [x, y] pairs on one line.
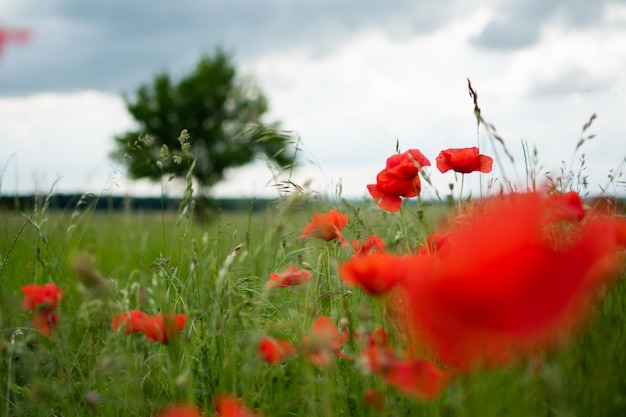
[[222, 115]]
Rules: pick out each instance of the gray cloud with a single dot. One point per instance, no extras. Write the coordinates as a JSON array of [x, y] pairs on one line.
[[518, 24], [116, 45]]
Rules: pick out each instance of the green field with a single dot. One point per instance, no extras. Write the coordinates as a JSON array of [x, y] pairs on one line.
[[214, 270]]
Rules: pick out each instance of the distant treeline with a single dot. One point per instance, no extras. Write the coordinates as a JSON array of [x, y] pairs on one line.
[[71, 201]]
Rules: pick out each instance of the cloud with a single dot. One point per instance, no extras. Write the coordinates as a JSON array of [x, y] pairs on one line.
[[116, 45], [520, 24]]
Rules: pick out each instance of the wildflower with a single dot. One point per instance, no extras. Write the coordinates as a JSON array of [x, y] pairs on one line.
[[398, 179], [45, 321], [129, 321], [566, 207], [325, 343], [42, 300], [376, 356], [163, 328], [227, 406], [180, 410], [291, 276], [274, 350], [433, 244], [41, 296], [160, 328], [371, 244], [511, 280], [463, 160], [417, 378], [376, 274], [326, 226]]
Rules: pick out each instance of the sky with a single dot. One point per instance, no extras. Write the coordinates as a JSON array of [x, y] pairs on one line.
[[350, 78]]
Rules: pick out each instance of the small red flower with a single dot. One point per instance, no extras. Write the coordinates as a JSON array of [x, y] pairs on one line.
[[41, 296], [325, 343], [417, 378], [274, 350], [291, 276], [130, 321], [566, 207], [326, 226], [434, 243], [45, 321], [376, 273], [163, 328], [463, 160], [42, 300], [227, 406], [371, 244], [398, 179], [180, 410]]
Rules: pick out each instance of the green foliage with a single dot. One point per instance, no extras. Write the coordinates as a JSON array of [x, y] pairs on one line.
[[221, 114]]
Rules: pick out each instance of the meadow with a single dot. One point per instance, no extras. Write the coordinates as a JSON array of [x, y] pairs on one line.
[[510, 303], [215, 272]]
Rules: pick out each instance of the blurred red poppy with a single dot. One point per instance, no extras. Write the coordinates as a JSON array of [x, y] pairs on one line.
[[291, 276], [45, 321], [42, 300], [417, 378], [398, 179], [376, 273], [325, 343], [129, 321], [326, 226], [180, 410], [227, 406], [163, 328], [41, 296], [512, 279], [463, 160], [371, 244], [274, 350], [434, 243]]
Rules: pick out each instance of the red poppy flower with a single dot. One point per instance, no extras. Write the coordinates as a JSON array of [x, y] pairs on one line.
[[434, 243], [130, 321], [41, 296], [376, 273], [417, 378], [180, 410], [376, 356], [325, 343], [326, 226], [291, 276], [42, 299], [45, 321], [163, 328], [463, 160], [511, 280], [566, 207], [274, 350], [371, 244], [398, 179], [227, 406]]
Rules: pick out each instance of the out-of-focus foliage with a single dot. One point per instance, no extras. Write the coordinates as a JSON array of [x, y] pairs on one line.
[[222, 114]]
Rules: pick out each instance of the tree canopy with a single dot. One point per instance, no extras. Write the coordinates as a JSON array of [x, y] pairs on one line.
[[220, 115]]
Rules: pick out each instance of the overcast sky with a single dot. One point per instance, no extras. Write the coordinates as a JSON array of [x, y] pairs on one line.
[[350, 77]]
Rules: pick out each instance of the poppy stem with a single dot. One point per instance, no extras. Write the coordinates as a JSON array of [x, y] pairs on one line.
[[461, 190]]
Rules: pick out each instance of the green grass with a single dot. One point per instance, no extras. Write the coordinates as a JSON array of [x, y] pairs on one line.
[[161, 263]]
